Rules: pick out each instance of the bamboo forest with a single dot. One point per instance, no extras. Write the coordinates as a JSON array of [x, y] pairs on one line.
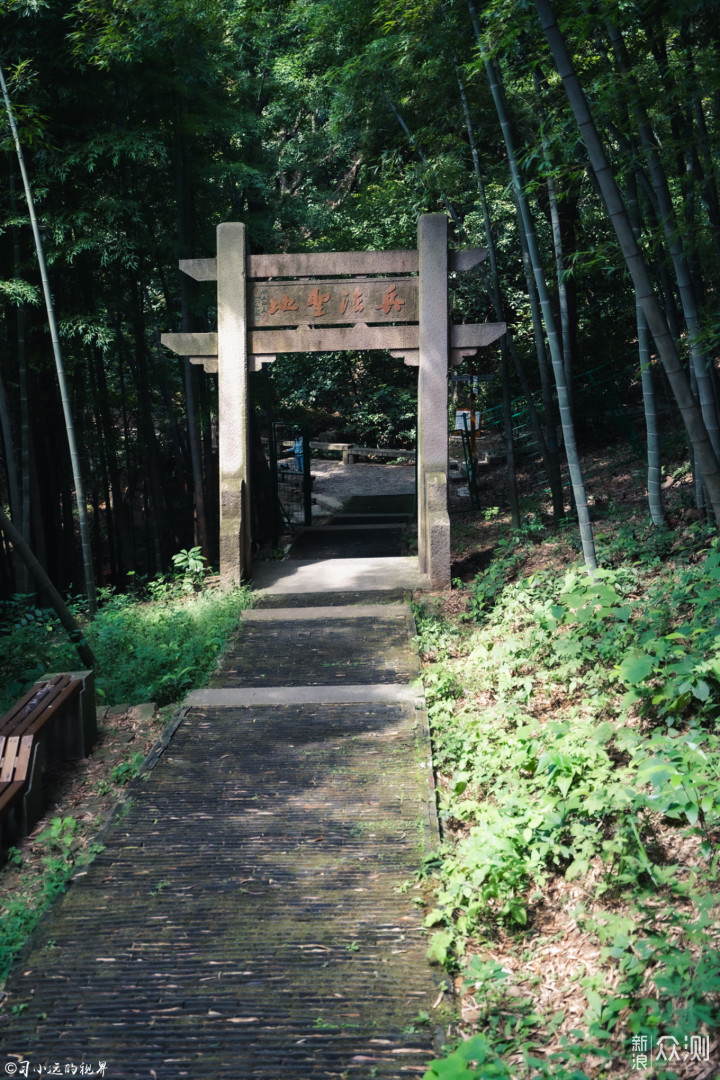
[[571, 672], [331, 127]]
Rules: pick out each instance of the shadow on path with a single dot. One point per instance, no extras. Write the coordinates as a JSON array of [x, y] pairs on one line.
[[254, 913]]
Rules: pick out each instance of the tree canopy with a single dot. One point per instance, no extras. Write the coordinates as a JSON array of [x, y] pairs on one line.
[[330, 126]]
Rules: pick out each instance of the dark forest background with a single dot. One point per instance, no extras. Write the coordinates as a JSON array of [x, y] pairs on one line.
[[331, 126]]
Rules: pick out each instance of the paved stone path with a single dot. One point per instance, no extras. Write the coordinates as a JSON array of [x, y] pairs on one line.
[[250, 915], [338, 481]]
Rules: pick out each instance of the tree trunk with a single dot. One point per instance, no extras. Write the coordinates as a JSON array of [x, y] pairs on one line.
[[557, 239], [546, 382], [692, 416], [154, 500], [118, 519], [45, 585], [126, 442], [709, 181], [673, 238], [69, 425], [184, 236], [10, 459], [36, 513], [509, 441], [566, 421], [655, 502], [547, 445], [25, 438], [102, 453]]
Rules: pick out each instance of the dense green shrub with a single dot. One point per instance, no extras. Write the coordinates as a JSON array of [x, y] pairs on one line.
[[146, 650], [574, 736]]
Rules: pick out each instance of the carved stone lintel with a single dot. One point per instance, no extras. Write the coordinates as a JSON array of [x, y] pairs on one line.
[[256, 360], [332, 263], [332, 301], [458, 355], [200, 269], [410, 357], [191, 344], [317, 339], [314, 263], [209, 363], [475, 335], [466, 258]]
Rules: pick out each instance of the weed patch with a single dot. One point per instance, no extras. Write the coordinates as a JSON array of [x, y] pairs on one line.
[[146, 650], [573, 725], [61, 852]]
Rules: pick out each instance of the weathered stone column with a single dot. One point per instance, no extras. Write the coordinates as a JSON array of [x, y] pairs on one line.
[[233, 404], [432, 436]]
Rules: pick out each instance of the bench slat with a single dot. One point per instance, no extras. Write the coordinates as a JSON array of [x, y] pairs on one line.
[[40, 694], [50, 718], [15, 766], [8, 718], [36, 718], [27, 697], [49, 709], [22, 763], [8, 764]]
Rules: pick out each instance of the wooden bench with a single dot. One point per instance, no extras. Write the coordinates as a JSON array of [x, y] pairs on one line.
[[55, 720], [353, 452], [314, 445]]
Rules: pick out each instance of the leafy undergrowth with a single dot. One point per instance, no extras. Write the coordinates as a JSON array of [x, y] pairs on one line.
[[82, 794], [574, 725], [146, 650]]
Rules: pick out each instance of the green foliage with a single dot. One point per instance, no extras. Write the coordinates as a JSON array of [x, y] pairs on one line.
[[60, 835], [489, 585], [159, 651], [190, 567], [19, 292], [473, 1060], [668, 673], [20, 912], [145, 650], [30, 641], [596, 734], [126, 770]]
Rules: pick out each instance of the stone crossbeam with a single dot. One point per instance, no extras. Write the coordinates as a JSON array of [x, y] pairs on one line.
[[312, 264], [391, 301], [334, 339]]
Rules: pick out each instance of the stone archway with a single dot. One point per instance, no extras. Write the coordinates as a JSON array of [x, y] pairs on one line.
[[391, 300]]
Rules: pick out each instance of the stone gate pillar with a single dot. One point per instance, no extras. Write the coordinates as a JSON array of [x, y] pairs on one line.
[[263, 303], [432, 430], [233, 416]]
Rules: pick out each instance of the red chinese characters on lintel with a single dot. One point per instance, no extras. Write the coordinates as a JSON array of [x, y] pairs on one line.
[[358, 301], [391, 301], [319, 301], [286, 304]]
